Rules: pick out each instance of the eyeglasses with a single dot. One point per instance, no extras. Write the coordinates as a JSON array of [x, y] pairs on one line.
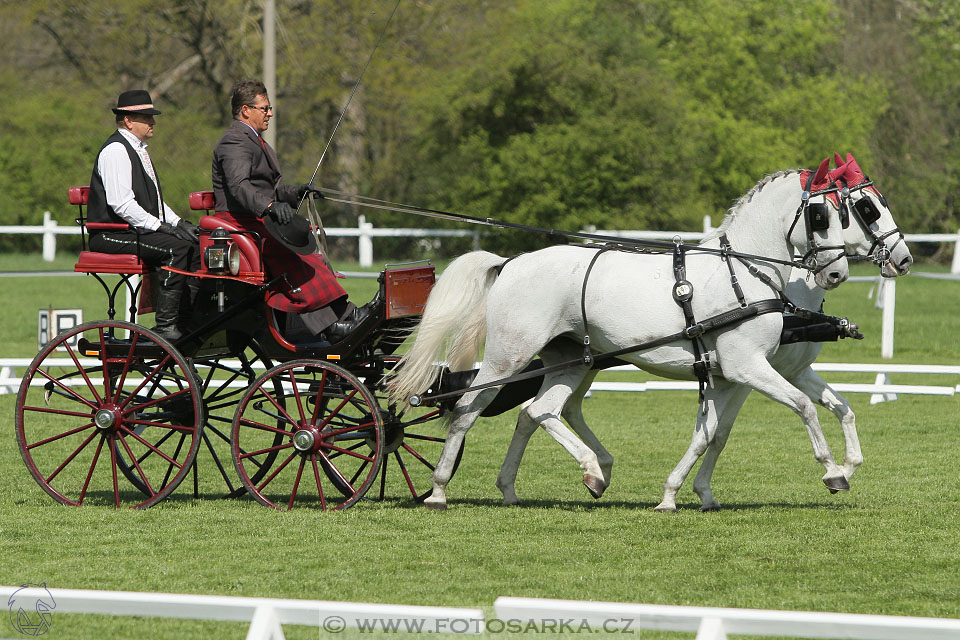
[[265, 109]]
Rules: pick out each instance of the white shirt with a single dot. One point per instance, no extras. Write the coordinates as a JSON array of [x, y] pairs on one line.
[[115, 170]]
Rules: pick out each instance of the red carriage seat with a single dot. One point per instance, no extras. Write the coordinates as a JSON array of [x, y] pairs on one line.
[[124, 265], [96, 262]]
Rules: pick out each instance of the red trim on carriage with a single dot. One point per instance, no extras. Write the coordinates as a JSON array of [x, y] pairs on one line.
[[78, 195], [201, 200]]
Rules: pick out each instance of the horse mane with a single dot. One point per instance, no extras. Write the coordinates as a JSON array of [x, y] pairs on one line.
[[745, 199]]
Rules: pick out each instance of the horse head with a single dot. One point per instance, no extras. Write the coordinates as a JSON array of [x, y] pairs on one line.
[[875, 236], [816, 230]]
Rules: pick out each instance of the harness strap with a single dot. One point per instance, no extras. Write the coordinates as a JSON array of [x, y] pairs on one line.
[[726, 247], [587, 353], [609, 359], [683, 296]]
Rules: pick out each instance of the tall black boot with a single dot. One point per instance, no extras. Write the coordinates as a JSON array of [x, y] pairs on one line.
[[166, 313], [188, 302]]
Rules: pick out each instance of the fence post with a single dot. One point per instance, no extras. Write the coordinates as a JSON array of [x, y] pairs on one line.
[[887, 300], [365, 241], [955, 266], [49, 237]]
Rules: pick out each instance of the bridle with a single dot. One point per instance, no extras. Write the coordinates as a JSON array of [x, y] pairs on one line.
[[816, 217], [865, 212]]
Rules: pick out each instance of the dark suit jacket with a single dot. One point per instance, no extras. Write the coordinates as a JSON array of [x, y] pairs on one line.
[[246, 174], [246, 178]]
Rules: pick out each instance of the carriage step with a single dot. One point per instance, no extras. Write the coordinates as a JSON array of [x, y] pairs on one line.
[[118, 349]]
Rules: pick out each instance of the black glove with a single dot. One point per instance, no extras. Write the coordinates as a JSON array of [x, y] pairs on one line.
[[307, 188], [279, 211], [187, 231]]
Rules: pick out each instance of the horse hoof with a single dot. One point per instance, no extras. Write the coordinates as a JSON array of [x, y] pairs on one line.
[[435, 506], [662, 508], [836, 484], [715, 506], [594, 485]]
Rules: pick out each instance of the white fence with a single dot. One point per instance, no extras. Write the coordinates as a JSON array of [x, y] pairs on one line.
[[365, 232], [268, 615]]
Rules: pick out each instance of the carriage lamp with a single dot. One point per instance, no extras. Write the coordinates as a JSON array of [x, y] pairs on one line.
[[222, 256]]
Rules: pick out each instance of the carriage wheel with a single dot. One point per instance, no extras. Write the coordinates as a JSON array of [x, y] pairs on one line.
[[127, 406], [414, 439], [331, 437], [223, 382]]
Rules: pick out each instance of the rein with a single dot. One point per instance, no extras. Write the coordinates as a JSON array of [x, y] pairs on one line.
[[624, 243]]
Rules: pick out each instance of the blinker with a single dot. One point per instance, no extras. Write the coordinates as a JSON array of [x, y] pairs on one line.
[[867, 211], [819, 216]]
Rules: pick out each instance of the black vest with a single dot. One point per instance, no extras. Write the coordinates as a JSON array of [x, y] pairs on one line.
[[143, 188]]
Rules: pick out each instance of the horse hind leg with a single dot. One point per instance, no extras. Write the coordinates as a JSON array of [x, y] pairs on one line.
[[544, 411], [573, 414], [506, 479], [465, 413]]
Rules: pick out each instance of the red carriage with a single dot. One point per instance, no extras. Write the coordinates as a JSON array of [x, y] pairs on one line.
[[110, 412]]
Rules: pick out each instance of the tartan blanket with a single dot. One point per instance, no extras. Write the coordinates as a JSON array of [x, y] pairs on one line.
[[309, 284]]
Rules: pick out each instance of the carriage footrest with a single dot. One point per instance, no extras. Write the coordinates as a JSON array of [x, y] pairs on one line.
[[118, 348], [96, 262]]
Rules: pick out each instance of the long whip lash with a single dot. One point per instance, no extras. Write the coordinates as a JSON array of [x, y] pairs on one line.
[[350, 99], [312, 214]]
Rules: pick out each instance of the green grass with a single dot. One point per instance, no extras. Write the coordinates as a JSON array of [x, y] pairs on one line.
[[781, 541]]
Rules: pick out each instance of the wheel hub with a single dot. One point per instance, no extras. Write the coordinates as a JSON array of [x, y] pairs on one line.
[[306, 439], [106, 419]]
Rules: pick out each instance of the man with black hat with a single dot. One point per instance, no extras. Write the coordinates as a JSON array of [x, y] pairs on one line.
[[248, 192], [124, 188]]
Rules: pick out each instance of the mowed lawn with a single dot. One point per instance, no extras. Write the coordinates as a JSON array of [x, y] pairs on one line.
[[782, 541]]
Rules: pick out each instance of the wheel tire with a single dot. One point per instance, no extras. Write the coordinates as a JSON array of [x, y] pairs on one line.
[[133, 402], [332, 437]]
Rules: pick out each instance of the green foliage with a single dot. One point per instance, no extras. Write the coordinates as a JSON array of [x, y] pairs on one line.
[[561, 115]]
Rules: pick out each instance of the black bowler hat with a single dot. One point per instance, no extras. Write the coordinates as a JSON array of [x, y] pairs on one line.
[[296, 235], [135, 101]]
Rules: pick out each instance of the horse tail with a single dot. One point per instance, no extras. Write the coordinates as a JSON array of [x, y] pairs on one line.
[[453, 326]]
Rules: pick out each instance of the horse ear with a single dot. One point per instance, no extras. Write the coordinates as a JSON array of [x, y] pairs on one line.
[[837, 160], [821, 173], [853, 173]]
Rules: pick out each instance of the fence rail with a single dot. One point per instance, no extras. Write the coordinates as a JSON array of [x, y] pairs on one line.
[[268, 615], [365, 232]]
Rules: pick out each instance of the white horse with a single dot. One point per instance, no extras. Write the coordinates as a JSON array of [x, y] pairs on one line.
[[875, 235], [536, 303]]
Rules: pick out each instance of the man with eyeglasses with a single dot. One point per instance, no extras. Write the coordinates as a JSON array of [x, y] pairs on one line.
[[124, 188], [247, 188]]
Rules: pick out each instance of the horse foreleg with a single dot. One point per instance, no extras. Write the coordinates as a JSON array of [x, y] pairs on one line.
[[704, 433], [726, 415], [818, 390], [758, 373]]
